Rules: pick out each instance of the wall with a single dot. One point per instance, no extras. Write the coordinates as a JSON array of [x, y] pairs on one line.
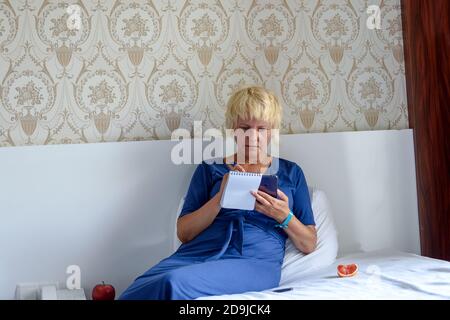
[[138, 70]]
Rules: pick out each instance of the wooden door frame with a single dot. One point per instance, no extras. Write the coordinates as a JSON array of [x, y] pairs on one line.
[[426, 32]]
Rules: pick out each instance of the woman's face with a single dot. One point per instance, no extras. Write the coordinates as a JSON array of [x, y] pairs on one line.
[[253, 138]]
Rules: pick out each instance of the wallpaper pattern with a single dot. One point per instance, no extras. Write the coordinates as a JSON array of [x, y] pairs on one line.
[[106, 70]]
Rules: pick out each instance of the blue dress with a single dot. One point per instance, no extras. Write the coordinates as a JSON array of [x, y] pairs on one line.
[[240, 251]]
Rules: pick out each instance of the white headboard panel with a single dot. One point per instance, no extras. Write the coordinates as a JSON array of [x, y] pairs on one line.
[[110, 207], [369, 178]]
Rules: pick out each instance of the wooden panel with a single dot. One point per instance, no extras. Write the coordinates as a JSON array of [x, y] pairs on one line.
[[427, 60]]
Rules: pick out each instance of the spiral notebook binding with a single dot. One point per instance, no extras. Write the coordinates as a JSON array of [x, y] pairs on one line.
[[240, 173]]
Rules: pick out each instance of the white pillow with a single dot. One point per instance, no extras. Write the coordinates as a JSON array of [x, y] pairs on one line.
[[296, 264]]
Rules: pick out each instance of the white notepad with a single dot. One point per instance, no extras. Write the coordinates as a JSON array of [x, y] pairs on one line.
[[237, 194]]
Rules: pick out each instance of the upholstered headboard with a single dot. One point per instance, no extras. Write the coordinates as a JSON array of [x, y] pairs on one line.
[[110, 207]]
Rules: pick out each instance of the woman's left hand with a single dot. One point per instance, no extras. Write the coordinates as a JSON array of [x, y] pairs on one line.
[[274, 208]]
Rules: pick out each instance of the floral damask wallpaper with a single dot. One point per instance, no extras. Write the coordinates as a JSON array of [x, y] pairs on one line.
[[109, 70]]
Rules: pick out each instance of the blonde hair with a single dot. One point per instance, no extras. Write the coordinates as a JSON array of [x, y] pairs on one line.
[[253, 102]]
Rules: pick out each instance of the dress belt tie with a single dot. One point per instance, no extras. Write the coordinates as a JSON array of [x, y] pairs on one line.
[[236, 223], [236, 239]]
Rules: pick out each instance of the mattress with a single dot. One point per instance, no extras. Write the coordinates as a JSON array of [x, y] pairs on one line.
[[381, 275]]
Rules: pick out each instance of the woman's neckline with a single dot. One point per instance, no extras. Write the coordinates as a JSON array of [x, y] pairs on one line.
[[267, 171]]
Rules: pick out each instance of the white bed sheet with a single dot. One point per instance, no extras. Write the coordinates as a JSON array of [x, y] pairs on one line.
[[382, 275]]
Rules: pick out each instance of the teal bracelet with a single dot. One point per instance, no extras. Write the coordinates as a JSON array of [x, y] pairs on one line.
[[284, 224]]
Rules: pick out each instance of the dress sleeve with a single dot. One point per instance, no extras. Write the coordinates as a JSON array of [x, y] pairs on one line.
[[198, 192], [302, 204]]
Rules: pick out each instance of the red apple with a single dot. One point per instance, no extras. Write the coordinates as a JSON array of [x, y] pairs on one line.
[[103, 292]]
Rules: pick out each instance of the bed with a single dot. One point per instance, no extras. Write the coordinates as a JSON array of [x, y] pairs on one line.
[[110, 208], [382, 274]]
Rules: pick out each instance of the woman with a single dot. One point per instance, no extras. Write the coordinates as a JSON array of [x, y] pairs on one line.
[[226, 251]]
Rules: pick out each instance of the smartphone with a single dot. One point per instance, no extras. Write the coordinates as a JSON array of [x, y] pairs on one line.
[[269, 185]]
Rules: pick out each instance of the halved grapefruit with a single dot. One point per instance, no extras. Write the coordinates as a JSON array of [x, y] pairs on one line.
[[347, 270]]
